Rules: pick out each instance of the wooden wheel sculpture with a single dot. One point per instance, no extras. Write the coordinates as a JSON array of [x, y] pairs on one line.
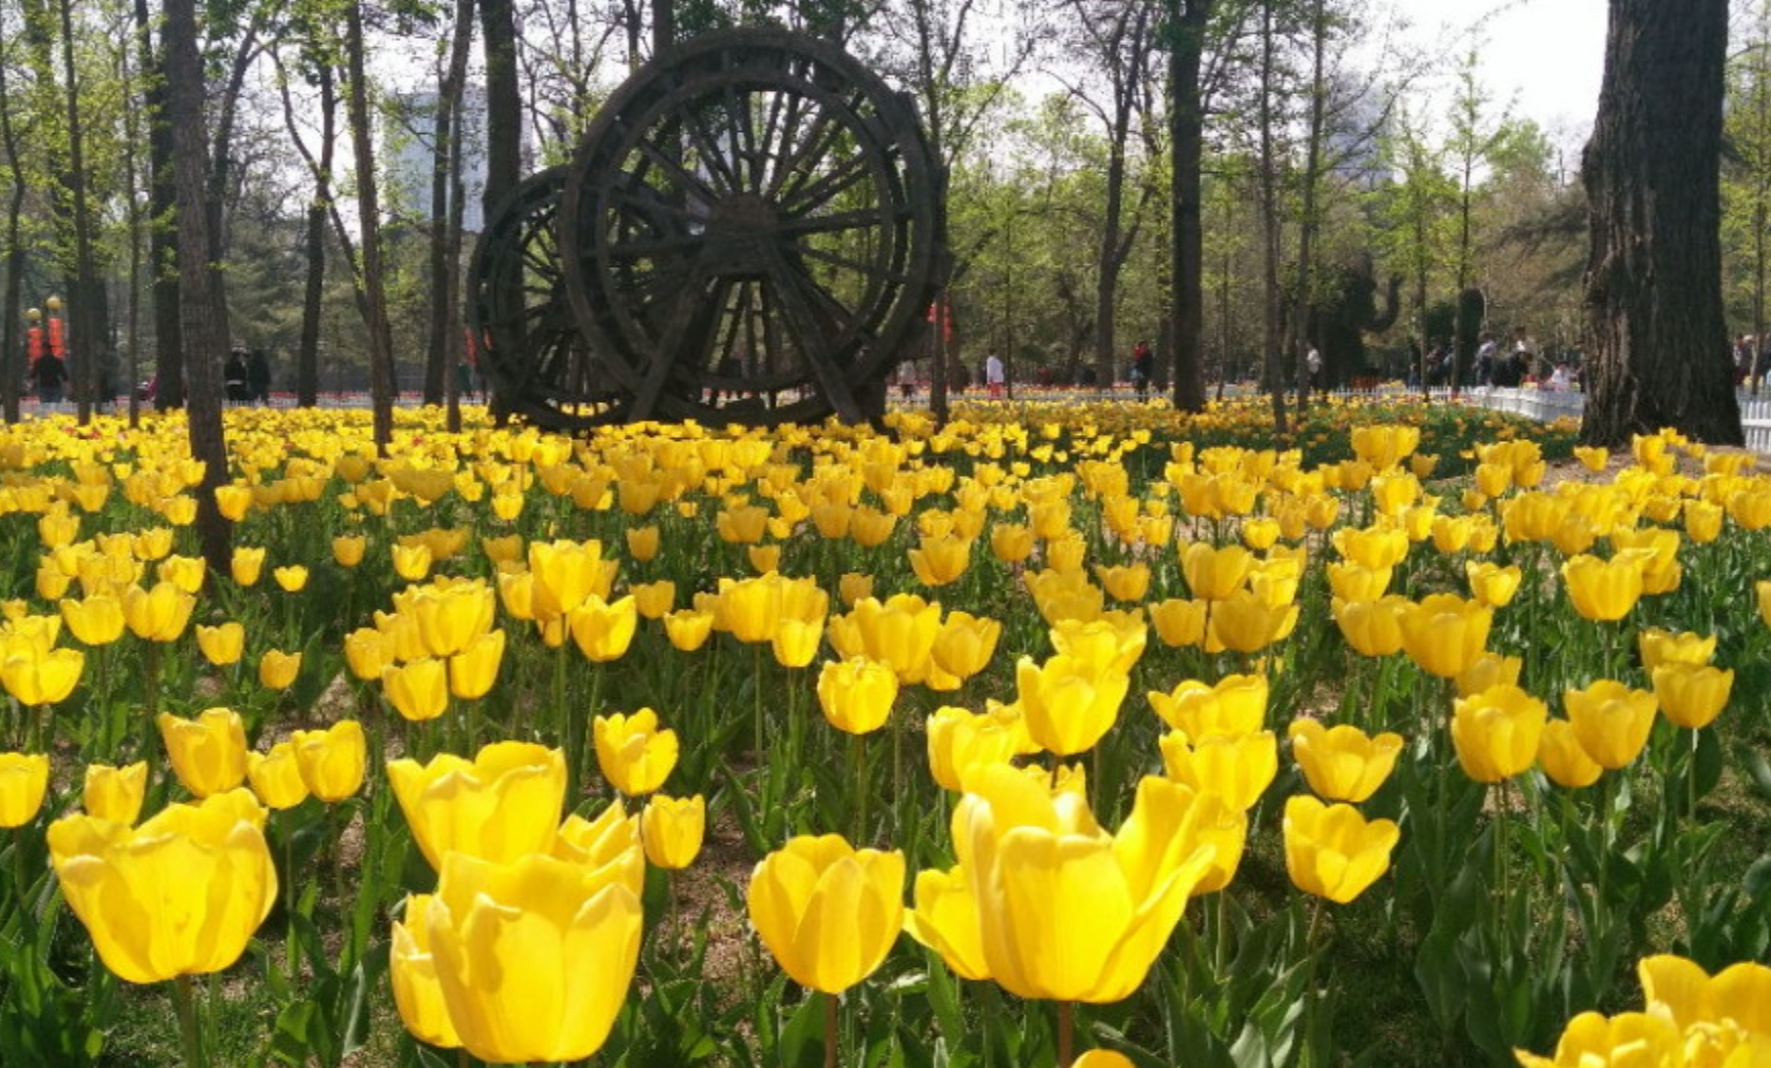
[[533, 354], [751, 232]]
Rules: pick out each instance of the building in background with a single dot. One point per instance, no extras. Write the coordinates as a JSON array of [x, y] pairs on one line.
[[408, 145]]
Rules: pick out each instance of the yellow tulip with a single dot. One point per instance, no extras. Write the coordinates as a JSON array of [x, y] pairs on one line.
[[1011, 543], [233, 501], [899, 632], [1604, 590], [688, 629], [418, 689], [1374, 627], [208, 753], [1031, 856], [603, 631], [500, 805], [157, 615], [1445, 634], [1180, 624], [633, 753], [1342, 763], [1611, 721], [1332, 852], [36, 677], [1762, 590], [1237, 768], [1247, 624], [959, 741], [1236, 705], [348, 549], [642, 543], [1069, 702], [1491, 585], [1372, 547], [277, 669], [473, 670], [185, 572], [1563, 760], [945, 920], [672, 829], [534, 958], [1682, 991], [1628, 1039], [853, 587], [827, 912], [110, 793], [411, 562], [448, 618], [654, 600], [941, 561], [964, 644], [205, 864], [1215, 574], [796, 642], [857, 694], [246, 564], [1351, 582], [1496, 732], [1664, 647], [1490, 669], [1692, 696], [276, 777], [222, 644], [412, 969], [98, 620], [332, 761], [24, 779]]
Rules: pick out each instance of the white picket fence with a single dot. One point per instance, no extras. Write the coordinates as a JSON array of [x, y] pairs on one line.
[[1544, 405]]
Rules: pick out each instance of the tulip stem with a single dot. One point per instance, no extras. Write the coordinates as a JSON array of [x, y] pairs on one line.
[[830, 1033], [858, 754], [1066, 1033], [189, 1031]]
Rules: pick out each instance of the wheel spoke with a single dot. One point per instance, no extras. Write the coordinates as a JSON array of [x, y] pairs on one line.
[[687, 180], [807, 197], [870, 219]]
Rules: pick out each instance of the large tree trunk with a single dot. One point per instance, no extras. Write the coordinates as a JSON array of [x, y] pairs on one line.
[[86, 295], [1299, 342], [504, 103], [307, 355], [162, 245], [1652, 173], [204, 341], [381, 347], [12, 360], [1272, 373], [1187, 147], [445, 246]]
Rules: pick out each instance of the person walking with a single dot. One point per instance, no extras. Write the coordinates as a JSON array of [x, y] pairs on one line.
[[233, 377], [1143, 365], [50, 374], [995, 379]]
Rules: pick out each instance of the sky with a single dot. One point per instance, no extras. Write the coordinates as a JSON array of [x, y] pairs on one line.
[[1544, 56]]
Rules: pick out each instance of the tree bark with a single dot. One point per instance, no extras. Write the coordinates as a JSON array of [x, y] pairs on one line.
[[162, 244], [1652, 173], [445, 245], [307, 356], [86, 295], [504, 103], [1272, 375], [1186, 313], [201, 329], [12, 357], [381, 347]]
